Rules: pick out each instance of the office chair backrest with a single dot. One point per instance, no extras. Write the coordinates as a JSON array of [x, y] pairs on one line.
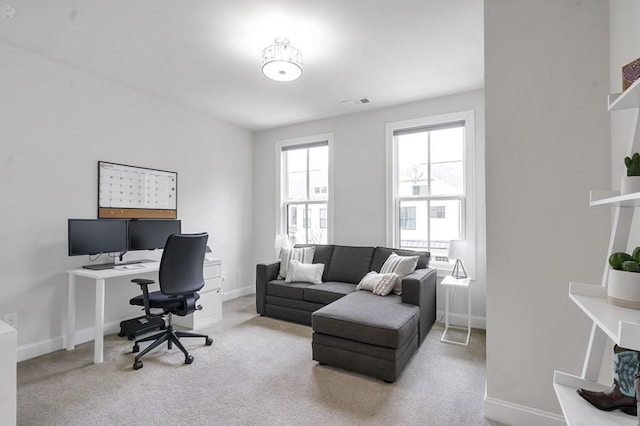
[[181, 264]]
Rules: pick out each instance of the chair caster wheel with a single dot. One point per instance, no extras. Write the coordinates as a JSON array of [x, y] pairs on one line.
[[136, 348], [209, 341], [189, 359], [137, 365], [121, 333]]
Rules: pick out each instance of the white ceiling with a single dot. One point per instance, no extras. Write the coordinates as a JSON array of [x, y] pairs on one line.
[[205, 54]]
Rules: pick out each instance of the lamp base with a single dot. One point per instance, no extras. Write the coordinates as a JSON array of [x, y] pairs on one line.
[[456, 270]]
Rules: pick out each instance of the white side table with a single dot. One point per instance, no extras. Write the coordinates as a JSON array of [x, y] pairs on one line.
[[451, 281]]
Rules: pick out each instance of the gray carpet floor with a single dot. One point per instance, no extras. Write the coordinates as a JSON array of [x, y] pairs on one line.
[[259, 371]]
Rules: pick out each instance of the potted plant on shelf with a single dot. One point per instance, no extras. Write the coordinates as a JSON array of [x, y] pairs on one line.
[[623, 284], [631, 182]]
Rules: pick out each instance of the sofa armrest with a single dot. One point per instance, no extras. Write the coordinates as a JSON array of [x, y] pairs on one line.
[[265, 272], [419, 288]]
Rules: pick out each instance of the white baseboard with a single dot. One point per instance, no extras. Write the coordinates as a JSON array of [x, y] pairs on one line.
[[43, 347], [514, 414], [233, 294], [47, 346], [461, 320]]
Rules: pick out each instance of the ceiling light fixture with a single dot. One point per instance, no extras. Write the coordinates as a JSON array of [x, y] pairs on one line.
[[281, 61]]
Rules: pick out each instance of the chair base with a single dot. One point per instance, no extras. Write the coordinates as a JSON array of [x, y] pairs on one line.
[[138, 326], [170, 336]]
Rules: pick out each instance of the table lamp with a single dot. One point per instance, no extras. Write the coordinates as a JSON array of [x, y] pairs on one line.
[[281, 241], [457, 250]]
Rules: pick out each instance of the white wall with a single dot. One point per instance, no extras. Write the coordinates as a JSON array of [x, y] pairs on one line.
[[359, 179], [547, 146], [55, 124]]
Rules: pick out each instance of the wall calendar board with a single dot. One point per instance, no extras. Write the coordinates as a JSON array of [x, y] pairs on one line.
[[136, 192]]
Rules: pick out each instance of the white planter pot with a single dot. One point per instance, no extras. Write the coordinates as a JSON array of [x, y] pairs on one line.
[[623, 289], [629, 185]]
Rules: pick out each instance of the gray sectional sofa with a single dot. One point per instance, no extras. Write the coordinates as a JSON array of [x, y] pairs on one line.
[[354, 330]]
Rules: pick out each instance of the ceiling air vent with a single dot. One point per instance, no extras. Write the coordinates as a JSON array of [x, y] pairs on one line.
[[361, 101], [6, 11]]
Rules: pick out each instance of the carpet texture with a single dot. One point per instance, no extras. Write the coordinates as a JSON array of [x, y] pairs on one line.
[[259, 371]]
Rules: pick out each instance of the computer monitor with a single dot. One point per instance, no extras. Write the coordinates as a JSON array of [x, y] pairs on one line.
[[151, 234], [95, 236]]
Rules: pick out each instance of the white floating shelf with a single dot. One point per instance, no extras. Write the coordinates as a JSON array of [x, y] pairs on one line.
[[613, 198], [577, 411], [622, 325], [630, 98]]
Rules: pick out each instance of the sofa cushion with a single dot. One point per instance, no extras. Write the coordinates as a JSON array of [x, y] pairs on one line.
[[364, 317], [322, 255], [349, 264], [328, 292], [281, 288], [381, 254]]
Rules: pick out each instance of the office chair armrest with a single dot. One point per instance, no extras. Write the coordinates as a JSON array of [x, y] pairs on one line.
[[144, 285], [189, 305]]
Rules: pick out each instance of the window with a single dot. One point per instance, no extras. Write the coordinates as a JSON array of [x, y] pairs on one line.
[[437, 212], [305, 189], [428, 188], [323, 218], [408, 218]]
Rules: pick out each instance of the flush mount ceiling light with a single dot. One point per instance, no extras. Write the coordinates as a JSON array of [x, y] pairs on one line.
[[281, 61]]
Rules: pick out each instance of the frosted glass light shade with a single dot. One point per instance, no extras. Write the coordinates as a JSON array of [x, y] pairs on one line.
[[282, 62]]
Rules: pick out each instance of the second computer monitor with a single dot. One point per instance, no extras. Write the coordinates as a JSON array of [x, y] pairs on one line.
[[150, 234]]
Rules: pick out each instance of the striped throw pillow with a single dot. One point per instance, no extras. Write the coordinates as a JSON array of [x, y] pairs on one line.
[[401, 265], [301, 254]]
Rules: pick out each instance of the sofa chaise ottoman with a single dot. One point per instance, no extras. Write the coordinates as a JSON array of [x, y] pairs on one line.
[[354, 330]]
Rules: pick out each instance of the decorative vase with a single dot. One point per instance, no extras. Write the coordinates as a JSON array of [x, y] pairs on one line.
[[623, 289], [629, 185]]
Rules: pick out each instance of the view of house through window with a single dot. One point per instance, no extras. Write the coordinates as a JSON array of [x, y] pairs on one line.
[[430, 189], [305, 170]]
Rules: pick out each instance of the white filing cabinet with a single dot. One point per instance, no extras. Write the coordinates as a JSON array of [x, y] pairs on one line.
[[8, 364], [210, 299]]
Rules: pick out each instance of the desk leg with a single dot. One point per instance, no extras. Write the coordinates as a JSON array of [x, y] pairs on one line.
[[98, 343], [71, 313]]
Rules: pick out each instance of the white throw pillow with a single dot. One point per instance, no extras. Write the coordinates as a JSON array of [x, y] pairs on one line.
[[301, 254], [304, 273], [401, 265], [380, 284]]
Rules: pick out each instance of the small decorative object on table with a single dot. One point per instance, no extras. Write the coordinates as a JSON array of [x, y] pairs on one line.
[[631, 182], [630, 73], [622, 393], [623, 285], [457, 252]]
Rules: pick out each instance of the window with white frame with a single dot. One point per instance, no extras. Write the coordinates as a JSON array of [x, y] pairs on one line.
[[305, 189], [429, 181]]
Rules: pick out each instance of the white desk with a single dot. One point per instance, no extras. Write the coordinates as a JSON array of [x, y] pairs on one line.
[[99, 278], [450, 281]]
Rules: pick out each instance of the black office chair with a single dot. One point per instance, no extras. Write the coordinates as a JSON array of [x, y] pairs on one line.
[[180, 278]]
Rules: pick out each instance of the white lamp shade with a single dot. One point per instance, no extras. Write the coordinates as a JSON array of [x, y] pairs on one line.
[[457, 249], [281, 241]]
